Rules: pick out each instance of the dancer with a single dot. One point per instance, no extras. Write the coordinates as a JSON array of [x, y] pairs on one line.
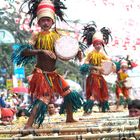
[[96, 86], [45, 80], [122, 91]]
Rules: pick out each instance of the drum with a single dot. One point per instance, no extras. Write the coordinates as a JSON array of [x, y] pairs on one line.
[[66, 47], [107, 67], [128, 83]]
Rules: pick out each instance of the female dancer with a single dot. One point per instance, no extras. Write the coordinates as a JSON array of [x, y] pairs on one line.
[[96, 86]]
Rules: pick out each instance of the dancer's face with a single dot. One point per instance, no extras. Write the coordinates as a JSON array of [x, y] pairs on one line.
[[98, 45], [124, 68], [45, 23]]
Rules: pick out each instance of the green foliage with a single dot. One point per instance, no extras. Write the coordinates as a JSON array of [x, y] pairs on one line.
[[69, 69], [5, 61], [7, 22]]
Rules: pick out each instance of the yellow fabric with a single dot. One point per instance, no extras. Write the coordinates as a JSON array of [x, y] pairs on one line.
[[51, 81], [123, 75], [95, 58], [99, 83], [46, 41]]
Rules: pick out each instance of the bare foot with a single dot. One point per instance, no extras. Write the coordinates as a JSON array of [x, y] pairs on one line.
[[27, 127], [29, 133], [71, 121], [117, 108], [26, 131]]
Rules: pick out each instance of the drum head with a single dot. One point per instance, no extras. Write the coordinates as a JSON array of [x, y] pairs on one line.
[[107, 67], [128, 83], [66, 47]]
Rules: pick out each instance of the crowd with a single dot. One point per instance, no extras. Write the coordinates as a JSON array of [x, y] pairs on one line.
[[15, 105], [10, 106]]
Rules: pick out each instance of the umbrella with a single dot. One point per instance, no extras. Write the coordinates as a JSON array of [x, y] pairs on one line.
[[20, 90], [74, 85]]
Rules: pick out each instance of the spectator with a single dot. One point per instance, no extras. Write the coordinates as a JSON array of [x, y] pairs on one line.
[[22, 112], [2, 101], [134, 108], [23, 103], [52, 113], [52, 110], [16, 100], [7, 115]]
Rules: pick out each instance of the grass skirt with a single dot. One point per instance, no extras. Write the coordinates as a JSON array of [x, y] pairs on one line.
[[74, 99]]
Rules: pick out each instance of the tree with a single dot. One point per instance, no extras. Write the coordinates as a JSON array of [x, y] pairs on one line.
[[8, 22]]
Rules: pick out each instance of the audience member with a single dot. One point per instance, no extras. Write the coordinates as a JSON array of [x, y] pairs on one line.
[[2, 101], [52, 110], [134, 108], [7, 115]]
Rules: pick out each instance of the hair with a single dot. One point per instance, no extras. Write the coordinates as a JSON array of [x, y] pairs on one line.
[[20, 111], [91, 28], [55, 105], [89, 31], [134, 104]]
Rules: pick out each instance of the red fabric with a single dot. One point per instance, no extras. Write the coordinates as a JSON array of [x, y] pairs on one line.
[[133, 64], [122, 90], [7, 114], [45, 6], [96, 86], [39, 85], [97, 40]]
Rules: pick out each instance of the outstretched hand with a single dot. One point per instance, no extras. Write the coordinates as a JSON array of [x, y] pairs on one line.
[[79, 55]]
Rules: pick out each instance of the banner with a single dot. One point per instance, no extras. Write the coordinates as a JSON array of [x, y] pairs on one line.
[[19, 72], [9, 83]]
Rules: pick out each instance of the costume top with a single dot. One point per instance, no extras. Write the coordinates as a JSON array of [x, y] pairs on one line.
[[95, 58], [44, 40]]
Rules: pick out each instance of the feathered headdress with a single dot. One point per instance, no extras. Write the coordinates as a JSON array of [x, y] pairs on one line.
[[92, 35], [44, 8], [124, 63]]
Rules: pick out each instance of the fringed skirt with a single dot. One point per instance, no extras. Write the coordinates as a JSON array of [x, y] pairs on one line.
[[96, 87], [46, 83], [122, 90]]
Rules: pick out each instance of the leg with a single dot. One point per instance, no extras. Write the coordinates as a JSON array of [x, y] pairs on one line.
[[117, 103], [105, 106], [30, 122], [31, 118], [126, 95], [72, 102], [127, 101], [69, 112], [119, 96], [88, 105]]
